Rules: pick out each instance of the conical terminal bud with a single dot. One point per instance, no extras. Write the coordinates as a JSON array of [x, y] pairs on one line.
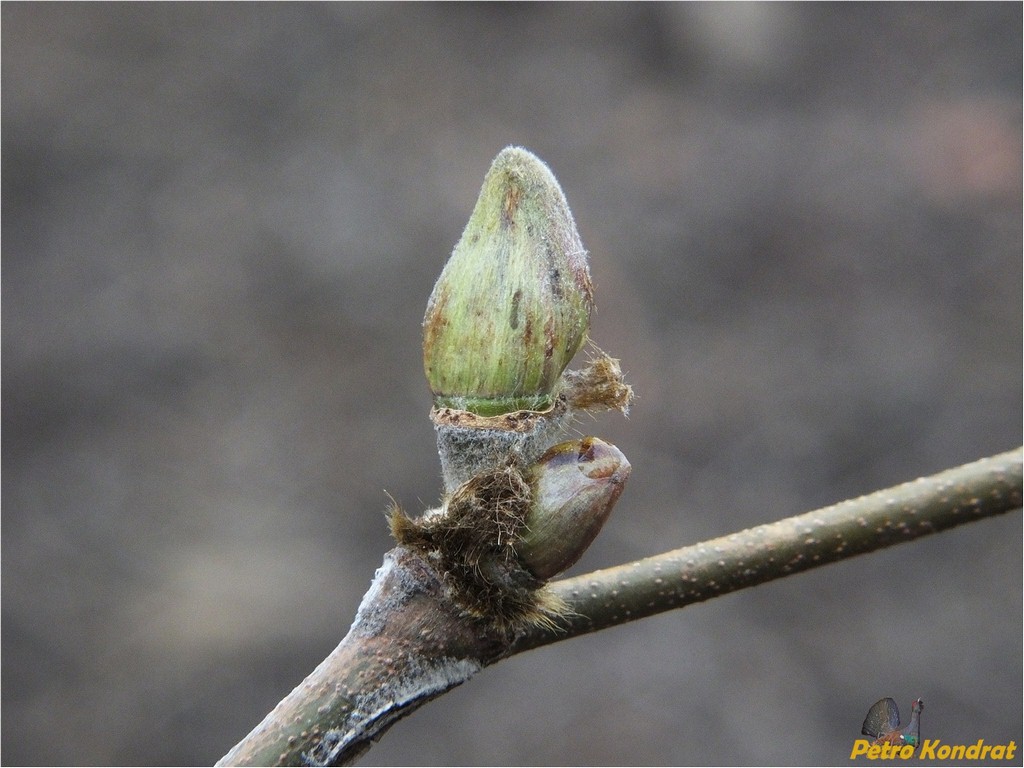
[[512, 305], [575, 485]]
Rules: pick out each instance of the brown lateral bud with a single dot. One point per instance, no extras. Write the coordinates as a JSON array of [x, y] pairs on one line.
[[575, 485]]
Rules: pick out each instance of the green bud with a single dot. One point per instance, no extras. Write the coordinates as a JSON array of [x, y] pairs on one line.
[[575, 485], [512, 305]]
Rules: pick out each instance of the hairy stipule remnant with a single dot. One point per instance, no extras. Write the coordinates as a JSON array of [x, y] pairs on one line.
[[499, 536]]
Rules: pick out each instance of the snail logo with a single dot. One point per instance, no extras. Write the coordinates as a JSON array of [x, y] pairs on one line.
[[882, 724]]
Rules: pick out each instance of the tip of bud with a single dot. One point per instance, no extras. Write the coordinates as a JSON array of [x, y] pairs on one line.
[[512, 305], [575, 485]]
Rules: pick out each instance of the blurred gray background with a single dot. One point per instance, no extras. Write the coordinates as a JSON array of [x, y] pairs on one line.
[[221, 224]]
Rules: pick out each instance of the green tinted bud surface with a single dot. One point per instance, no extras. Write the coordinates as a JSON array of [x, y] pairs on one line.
[[512, 305], [575, 485]]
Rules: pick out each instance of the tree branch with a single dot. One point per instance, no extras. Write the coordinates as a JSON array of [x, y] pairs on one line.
[[754, 556], [409, 643]]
